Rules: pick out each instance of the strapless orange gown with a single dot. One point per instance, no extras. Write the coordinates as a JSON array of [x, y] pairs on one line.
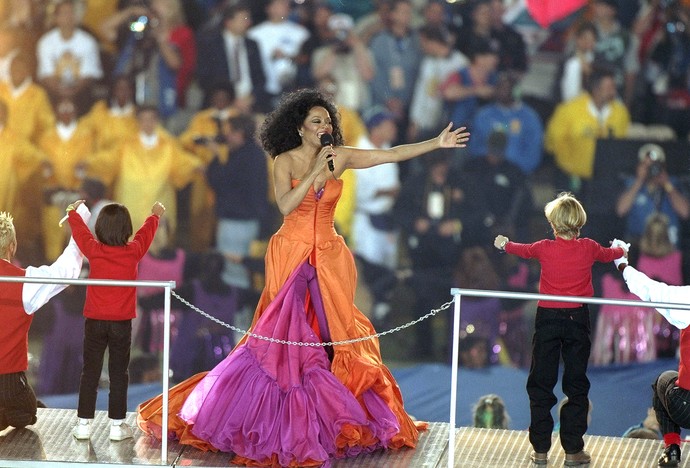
[[308, 236]]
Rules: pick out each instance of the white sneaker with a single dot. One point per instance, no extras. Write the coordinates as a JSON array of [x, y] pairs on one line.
[[120, 432], [82, 431]]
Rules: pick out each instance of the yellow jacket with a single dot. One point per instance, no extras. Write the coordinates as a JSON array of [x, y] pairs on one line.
[[573, 130], [146, 175], [65, 155], [109, 129], [30, 114], [19, 160]]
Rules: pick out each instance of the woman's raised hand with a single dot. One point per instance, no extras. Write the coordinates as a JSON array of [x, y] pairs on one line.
[[453, 138]]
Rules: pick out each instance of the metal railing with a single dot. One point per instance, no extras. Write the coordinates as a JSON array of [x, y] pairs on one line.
[[168, 286], [457, 293]]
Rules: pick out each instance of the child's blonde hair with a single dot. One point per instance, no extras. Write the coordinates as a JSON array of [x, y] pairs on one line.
[[566, 215], [7, 233]]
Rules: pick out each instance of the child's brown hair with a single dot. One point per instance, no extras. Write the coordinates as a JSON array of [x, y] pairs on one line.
[[114, 225]]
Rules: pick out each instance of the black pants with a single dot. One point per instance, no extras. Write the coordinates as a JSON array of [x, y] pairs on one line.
[[671, 403], [17, 401], [559, 333], [116, 336]]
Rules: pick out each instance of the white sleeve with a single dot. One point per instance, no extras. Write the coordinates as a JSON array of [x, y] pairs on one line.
[[571, 81], [68, 265], [46, 65], [91, 61], [649, 290]]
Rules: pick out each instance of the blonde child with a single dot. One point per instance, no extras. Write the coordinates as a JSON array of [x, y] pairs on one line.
[[109, 310], [562, 329]]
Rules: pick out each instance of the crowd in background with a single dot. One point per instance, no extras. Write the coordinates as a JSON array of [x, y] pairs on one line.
[[142, 100]]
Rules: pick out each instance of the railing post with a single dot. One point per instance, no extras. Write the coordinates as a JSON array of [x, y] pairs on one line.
[[166, 376], [454, 377]]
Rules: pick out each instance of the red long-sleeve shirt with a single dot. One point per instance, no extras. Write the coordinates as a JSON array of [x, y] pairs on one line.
[[112, 262], [566, 266]]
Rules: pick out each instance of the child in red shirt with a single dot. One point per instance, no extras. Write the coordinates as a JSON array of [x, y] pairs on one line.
[[562, 329], [109, 310]]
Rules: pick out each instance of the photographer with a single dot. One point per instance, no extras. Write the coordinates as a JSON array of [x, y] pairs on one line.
[[158, 48], [652, 190], [348, 61]]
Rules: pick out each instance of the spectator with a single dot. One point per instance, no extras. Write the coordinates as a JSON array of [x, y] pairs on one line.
[[577, 67], [206, 125], [438, 62], [512, 49], [652, 190], [484, 25], [316, 17], [68, 145], [434, 15], [473, 352], [114, 118], [375, 22], [616, 48], [575, 126], [348, 61], [668, 71], [69, 62], [472, 86], [437, 217], [148, 166], [375, 237], [30, 110], [230, 56], [158, 50], [21, 163], [502, 186], [396, 55], [240, 182], [279, 42], [519, 122], [490, 412]]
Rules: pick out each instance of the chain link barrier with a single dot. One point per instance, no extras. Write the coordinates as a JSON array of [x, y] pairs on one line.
[[299, 343]]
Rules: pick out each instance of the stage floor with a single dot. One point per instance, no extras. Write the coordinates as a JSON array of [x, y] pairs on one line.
[[49, 443]]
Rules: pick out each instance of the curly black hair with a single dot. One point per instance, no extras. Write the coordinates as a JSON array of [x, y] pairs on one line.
[[278, 133]]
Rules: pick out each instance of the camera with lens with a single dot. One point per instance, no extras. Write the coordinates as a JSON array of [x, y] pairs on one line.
[[140, 26], [657, 166]]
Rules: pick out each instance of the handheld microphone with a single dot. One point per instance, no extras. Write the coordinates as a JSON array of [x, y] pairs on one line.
[[327, 140]]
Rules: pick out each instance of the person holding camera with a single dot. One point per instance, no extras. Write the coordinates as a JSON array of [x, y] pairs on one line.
[[238, 175], [348, 61], [158, 48], [652, 190]]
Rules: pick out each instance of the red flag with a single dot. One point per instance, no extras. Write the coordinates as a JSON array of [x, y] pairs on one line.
[[546, 12]]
